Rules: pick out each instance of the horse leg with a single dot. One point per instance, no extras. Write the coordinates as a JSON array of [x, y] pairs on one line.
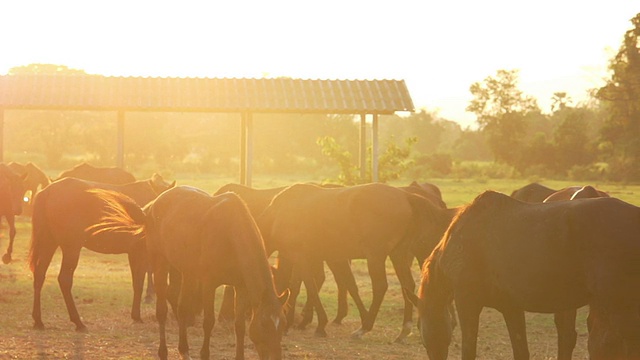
[[44, 256], [306, 274], [209, 318], [6, 258], [344, 280], [402, 262], [138, 266], [242, 306], [70, 256], [307, 310], [567, 336], [379, 285], [283, 280], [227, 312], [160, 275], [469, 317], [188, 292], [516, 325], [148, 299]]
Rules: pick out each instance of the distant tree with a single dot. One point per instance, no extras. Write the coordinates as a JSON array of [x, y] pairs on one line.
[[621, 94], [44, 69], [559, 101], [500, 109]]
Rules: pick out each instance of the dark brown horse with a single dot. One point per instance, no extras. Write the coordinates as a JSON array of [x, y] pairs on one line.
[[565, 321], [515, 257], [429, 191], [34, 178], [106, 175], [257, 201], [210, 240], [579, 192], [308, 224], [11, 193], [534, 192], [62, 213]]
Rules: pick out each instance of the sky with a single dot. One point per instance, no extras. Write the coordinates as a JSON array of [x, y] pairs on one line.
[[439, 48]]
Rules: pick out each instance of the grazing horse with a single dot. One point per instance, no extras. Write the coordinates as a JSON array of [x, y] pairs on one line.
[[11, 192], [107, 175], [210, 240], [515, 257], [34, 178], [429, 191], [62, 213], [308, 224], [534, 192]]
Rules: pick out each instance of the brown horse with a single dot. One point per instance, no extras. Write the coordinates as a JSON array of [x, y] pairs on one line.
[[34, 178], [515, 257], [11, 193], [534, 192], [62, 213], [257, 201], [565, 321], [210, 240], [106, 175], [308, 224], [429, 191], [579, 192]]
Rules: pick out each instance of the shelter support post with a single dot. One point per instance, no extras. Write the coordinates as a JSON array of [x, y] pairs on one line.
[[374, 148], [246, 148], [1, 135], [363, 146], [120, 149]]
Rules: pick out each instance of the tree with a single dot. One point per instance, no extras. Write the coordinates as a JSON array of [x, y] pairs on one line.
[[500, 108], [621, 94]]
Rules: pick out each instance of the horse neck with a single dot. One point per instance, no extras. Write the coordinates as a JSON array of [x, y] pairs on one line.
[[435, 288], [140, 191]]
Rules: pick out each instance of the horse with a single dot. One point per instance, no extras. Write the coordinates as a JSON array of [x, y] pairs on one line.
[[210, 240], [34, 178], [308, 224], [106, 175], [427, 190], [533, 192], [11, 193], [579, 192], [565, 321], [61, 214], [257, 201], [514, 256]]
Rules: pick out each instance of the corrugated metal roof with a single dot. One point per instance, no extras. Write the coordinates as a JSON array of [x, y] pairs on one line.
[[285, 95]]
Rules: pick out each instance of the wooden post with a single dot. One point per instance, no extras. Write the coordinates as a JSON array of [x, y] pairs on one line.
[[120, 146], [363, 146], [1, 135], [249, 160], [374, 148], [243, 148]]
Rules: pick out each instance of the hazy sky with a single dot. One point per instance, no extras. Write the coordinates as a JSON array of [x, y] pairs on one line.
[[438, 47]]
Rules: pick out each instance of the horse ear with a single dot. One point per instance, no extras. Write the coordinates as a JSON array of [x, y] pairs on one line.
[[411, 297], [284, 296], [173, 184]]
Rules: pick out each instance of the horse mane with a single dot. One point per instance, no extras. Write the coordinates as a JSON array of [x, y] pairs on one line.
[[122, 214]]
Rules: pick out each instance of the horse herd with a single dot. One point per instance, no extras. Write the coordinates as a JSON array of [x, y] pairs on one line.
[[537, 250]]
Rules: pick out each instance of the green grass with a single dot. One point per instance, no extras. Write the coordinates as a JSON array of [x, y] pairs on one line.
[[102, 290]]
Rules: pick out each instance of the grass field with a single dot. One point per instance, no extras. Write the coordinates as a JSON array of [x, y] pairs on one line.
[[102, 289]]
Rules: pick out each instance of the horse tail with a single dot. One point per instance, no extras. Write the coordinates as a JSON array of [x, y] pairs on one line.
[[39, 228], [121, 214]]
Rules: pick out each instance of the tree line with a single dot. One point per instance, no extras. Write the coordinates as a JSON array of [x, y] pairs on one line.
[[597, 139]]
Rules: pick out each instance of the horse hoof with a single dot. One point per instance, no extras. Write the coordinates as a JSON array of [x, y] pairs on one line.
[[358, 334], [337, 322], [301, 327], [38, 326], [6, 258], [320, 333], [82, 329]]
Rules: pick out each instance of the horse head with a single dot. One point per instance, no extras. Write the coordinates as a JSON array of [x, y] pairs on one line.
[[268, 325]]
